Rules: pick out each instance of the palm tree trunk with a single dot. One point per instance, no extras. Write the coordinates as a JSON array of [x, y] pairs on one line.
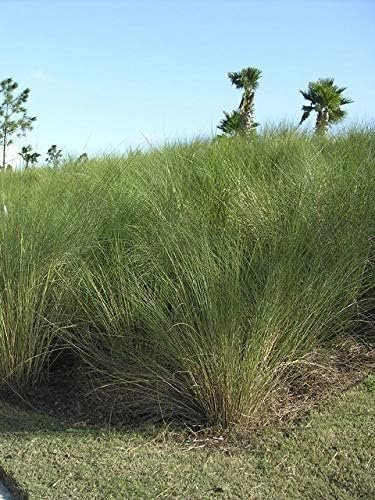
[[247, 108], [322, 121]]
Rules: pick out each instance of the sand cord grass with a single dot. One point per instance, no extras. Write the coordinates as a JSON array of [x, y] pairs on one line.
[[192, 280]]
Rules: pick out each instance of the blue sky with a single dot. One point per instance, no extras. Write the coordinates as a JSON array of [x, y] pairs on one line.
[[106, 75]]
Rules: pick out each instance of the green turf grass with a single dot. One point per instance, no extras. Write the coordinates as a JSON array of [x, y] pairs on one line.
[[329, 454]]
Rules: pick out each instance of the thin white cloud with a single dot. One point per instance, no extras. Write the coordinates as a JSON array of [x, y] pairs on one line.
[[43, 76]]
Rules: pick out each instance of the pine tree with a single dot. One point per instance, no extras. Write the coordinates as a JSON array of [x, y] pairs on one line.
[[13, 115]]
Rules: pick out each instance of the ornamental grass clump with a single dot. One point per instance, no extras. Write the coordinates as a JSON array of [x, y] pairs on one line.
[[193, 281], [44, 228], [231, 263]]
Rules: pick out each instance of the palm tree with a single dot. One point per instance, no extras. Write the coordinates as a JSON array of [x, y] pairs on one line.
[[242, 120], [326, 100], [28, 156], [233, 123], [248, 80]]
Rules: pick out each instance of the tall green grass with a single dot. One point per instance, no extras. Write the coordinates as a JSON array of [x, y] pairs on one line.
[[191, 280]]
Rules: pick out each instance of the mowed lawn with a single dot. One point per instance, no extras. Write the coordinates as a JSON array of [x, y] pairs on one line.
[[329, 454]]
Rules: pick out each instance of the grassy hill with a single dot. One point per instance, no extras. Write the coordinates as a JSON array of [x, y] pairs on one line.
[[201, 282]]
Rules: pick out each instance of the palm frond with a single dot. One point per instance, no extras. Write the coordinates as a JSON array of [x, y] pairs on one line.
[[326, 82], [307, 95], [306, 113], [235, 78], [345, 100], [247, 78], [233, 123], [337, 115]]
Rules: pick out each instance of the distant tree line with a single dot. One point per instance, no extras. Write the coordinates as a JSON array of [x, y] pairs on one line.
[[15, 122], [324, 98]]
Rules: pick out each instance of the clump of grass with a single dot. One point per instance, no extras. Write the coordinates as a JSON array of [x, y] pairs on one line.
[[42, 231], [196, 277]]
